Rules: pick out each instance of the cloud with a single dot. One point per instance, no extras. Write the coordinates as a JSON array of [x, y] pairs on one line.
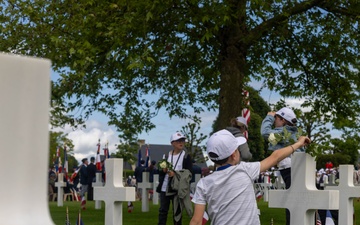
[[85, 140]]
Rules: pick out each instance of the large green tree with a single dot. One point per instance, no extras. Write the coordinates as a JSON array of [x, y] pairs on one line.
[[128, 59]]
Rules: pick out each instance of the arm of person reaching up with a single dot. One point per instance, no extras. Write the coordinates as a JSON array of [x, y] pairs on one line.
[[282, 153], [267, 124], [197, 217]]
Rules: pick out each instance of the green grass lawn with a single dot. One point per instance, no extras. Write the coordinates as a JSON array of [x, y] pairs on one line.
[[92, 216]]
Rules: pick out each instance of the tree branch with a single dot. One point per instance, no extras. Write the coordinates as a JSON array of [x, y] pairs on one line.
[[262, 29]]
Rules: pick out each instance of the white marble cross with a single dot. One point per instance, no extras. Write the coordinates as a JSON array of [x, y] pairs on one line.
[[302, 198], [145, 185], [265, 187], [60, 184], [155, 194], [24, 138], [98, 183], [114, 193], [347, 192]]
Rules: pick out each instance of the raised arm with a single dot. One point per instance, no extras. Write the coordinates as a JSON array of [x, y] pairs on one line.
[[282, 153]]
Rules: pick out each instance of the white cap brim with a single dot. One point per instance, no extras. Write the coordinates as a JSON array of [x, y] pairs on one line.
[[241, 140]]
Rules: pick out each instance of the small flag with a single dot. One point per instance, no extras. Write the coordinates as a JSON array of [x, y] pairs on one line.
[[56, 163], [76, 197], [106, 150], [65, 163], [147, 156], [79, 220], [318, 220], [329, 220], [130, 207], [67, 221], [258, 195], [74, 174], [139, 157], [59, 166], [83, 203], [205, 218], [98, 161]]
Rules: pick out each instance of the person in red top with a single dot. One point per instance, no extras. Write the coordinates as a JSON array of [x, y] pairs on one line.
[[329, 165]]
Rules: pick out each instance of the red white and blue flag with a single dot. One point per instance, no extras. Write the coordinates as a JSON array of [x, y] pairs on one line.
[[65, 163], [98, 160], [60, 170], [147, 156], [106, 151], [57, 158], [329, 220], [246, 111], [318, 220], [205, 216], [74, 174]]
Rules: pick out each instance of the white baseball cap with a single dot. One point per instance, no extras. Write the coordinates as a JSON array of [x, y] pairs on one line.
[[242, 120], [287, 114], [223, 144], [177, 136]]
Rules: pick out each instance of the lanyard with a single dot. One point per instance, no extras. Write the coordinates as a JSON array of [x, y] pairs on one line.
[[172, 155]]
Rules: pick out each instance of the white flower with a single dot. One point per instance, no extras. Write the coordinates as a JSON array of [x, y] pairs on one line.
[[163, 165], [272, 139]]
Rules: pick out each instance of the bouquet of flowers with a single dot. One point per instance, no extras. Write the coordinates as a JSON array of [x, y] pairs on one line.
[[285, 137], [164, 164]]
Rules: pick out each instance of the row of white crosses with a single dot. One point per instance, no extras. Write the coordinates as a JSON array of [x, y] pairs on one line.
[[303, 198]]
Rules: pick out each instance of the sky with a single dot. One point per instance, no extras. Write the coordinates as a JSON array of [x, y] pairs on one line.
[[85, 140]]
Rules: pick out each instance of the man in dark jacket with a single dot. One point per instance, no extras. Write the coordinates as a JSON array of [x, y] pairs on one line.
[[83, 181], [91, 171], [138, 175]]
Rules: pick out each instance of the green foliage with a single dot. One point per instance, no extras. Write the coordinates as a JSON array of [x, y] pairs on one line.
[[127, 151], [256, 142], [194, 139], [59, 139], [113, 56]]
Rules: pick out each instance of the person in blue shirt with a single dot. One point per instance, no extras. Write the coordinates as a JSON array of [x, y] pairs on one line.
[[275, 123]]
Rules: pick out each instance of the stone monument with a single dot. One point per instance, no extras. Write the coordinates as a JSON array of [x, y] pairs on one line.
[[114, 193], [303, 198], [24, 137]]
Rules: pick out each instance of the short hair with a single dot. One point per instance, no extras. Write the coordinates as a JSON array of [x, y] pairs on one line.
[[219, 162]]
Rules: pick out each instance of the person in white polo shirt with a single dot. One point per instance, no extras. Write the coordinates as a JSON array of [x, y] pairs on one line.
[[228, 193]]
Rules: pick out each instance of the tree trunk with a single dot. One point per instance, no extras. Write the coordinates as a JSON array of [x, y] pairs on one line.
[[233, 70]]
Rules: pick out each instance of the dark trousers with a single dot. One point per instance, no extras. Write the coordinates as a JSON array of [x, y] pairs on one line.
[[90, 194], [286, 175], [164, 209]]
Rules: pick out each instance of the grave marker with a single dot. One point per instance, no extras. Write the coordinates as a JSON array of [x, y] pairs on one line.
[[302, 198], [347, 193], [155, 194], [145, 185], [60, 184], [98, 183], [114, 193], [24, 138], [265, 187]]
